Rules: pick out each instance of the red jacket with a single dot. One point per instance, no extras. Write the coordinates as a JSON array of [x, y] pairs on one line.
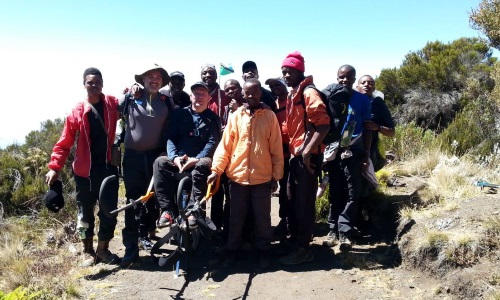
[[219, 107], [77, 123]]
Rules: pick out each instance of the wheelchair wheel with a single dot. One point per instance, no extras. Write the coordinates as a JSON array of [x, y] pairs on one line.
[[194, 233]]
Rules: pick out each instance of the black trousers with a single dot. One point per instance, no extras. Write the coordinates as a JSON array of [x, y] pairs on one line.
[[283, 195], [302, 188], [345, 187], [137, 174], [165, 183], [87, 194], [255, 200]]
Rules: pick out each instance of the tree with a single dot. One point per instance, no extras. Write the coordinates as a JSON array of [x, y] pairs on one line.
[[46, 137], [486, 18], [434, 83], [22, 168]]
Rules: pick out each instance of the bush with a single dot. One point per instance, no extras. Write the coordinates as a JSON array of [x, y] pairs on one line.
[[410, 140], [473, 130]]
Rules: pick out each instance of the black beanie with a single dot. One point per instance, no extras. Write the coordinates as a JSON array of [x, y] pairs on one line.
[[54, 199]]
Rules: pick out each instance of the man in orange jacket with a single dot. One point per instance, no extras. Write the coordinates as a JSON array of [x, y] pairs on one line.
[[307, 123], [251, 155]]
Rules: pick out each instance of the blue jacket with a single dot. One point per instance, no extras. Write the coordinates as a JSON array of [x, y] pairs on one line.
[[191, 133]]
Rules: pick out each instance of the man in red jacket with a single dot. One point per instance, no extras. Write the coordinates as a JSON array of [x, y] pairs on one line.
[[95, 121]]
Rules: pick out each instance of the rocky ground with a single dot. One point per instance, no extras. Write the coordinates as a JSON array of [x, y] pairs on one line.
[[374, 269]]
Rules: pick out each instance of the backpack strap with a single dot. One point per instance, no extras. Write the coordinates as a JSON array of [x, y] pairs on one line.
[[303, 102]]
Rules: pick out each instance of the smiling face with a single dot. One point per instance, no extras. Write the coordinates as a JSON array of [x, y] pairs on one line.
[[93, 85], [346, 77], [366, 85], [208, 76], [252, 93], [199, 98], [292, 77], [250, 72], [176, 85], [153, 81]]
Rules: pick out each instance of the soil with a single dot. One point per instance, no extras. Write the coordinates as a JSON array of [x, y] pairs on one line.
[[374, 269]]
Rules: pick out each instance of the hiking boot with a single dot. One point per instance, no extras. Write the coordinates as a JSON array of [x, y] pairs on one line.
[[88, 253], [145, 243], [301, 255], [264, 260], [281, 229], [345, 242], [331, 239], [104, 255], [166, 219], [130, 257]]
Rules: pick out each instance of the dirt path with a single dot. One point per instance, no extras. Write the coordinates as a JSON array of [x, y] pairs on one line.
[[370, 271]]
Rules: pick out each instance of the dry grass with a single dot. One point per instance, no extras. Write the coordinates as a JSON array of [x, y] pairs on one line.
[[28, 262], [448, 182]]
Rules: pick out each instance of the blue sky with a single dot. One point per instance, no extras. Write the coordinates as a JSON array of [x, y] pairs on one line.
[[46, 45]]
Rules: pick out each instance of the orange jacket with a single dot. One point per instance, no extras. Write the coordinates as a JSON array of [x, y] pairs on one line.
[[250, 151], [316, 113]]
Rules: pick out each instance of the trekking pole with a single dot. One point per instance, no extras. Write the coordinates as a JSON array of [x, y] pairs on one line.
[[144, 198], [482, 184]]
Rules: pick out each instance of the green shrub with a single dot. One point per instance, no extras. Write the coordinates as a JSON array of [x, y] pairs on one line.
[[409, 141]]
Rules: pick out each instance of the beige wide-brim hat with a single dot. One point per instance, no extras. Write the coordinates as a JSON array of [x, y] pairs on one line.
[[164, 75]]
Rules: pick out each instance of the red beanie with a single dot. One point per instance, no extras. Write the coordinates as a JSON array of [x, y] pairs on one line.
[[294, 60]]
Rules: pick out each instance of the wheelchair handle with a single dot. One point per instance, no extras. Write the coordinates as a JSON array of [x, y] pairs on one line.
[[210, 190]]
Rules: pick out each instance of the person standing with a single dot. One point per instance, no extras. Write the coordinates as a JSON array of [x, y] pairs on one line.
[[249, 69], [94, 121], [219, 103], [345, 171], [308, 123], [381, 121], [144, 141], [251, 155], [175, 90], [280, 92]]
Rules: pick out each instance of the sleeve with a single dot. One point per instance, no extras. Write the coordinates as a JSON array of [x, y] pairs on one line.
[[225, 148], [381, 113], [213, 138], [276, 149], [367, 109], [121, 103], [171, 135], [63, 146], [315, 108]]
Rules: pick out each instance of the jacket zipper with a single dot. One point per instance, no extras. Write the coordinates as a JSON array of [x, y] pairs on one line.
[[88, 143]]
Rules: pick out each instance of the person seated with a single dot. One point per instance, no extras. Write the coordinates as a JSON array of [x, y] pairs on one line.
[[192, 135]]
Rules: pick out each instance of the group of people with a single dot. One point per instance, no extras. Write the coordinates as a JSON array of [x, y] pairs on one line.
[[252, 139]]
